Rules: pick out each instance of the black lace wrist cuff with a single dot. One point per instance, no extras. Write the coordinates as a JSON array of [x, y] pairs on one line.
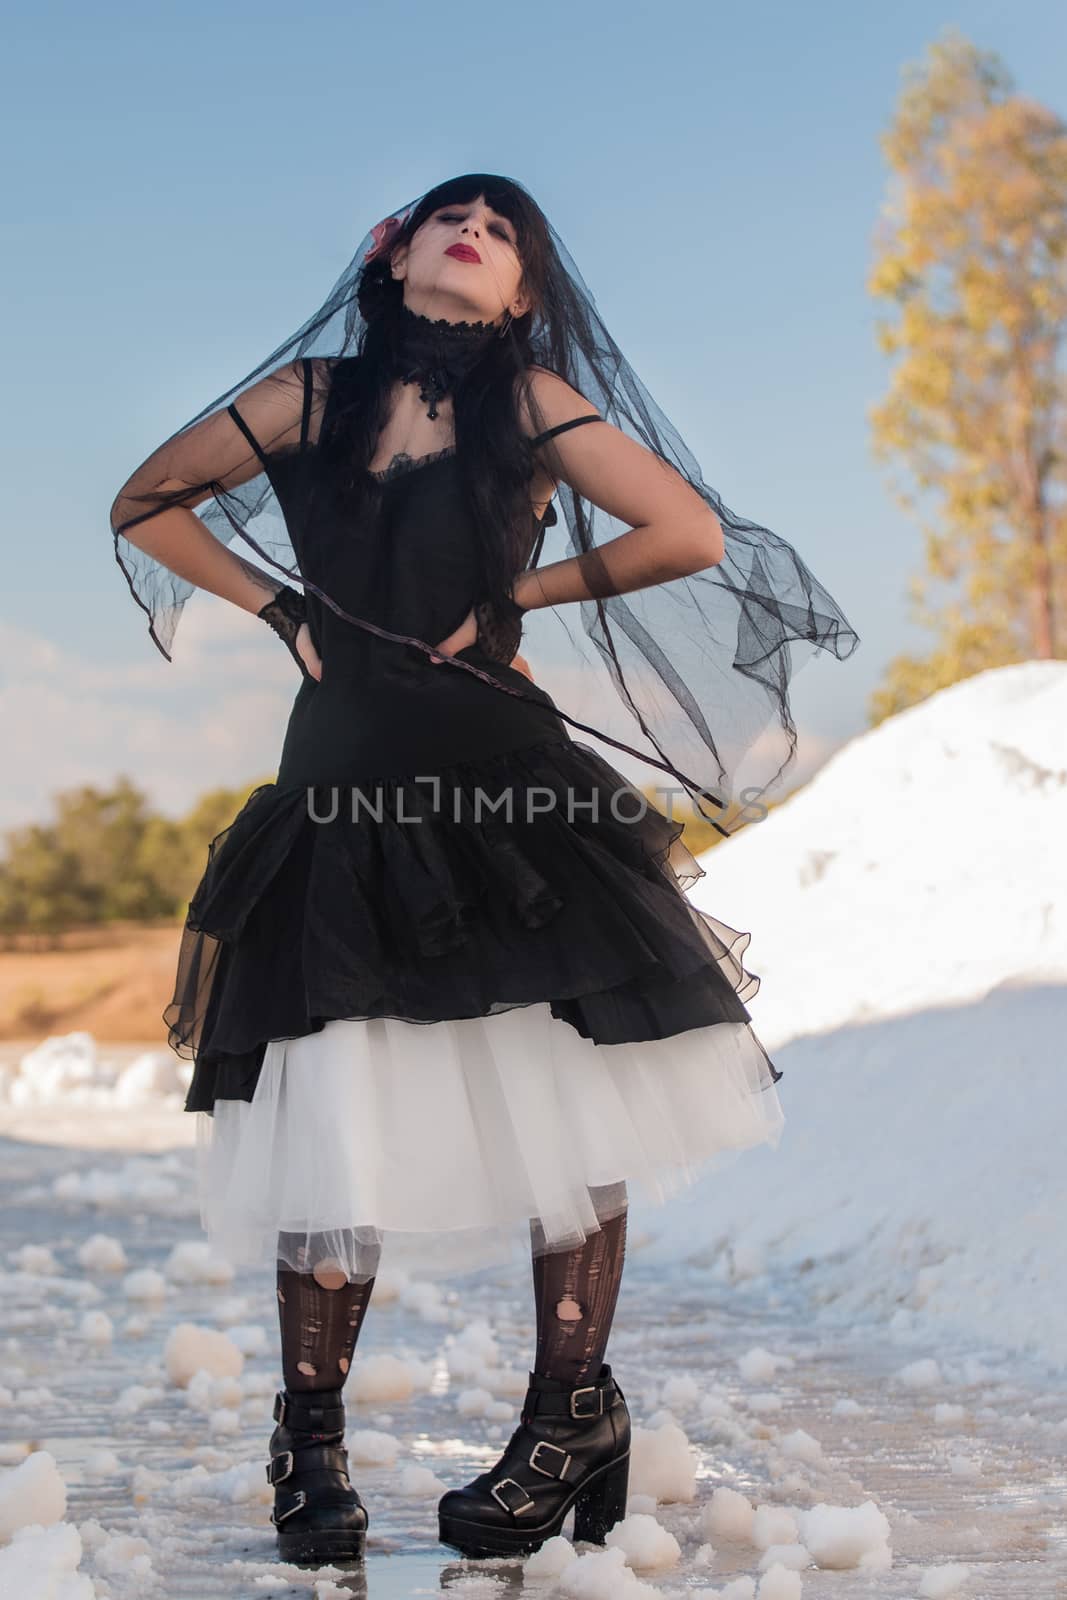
[[285, 613], [500, 628]]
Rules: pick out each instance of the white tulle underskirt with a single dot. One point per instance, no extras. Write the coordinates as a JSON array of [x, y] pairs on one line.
[[445, 1147]]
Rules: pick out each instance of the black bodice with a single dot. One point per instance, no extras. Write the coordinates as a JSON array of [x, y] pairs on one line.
[[413, 568]]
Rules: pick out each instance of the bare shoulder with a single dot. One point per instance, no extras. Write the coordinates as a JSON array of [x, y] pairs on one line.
[[292, 374], [543, 400], [606, 466], [289, 375]]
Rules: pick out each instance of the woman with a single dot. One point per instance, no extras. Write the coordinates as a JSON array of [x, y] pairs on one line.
[[440, 979]]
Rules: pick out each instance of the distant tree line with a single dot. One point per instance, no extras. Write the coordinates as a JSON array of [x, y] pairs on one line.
[[107, 857]]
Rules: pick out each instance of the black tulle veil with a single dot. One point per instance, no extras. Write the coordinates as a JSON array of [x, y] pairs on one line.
[[702, 664]]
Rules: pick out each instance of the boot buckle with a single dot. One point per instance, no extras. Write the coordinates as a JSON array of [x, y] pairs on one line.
[[515, 1510], [273, 1474], [279, 1407], [590, 1388], [299, 1502], [545, 1444]]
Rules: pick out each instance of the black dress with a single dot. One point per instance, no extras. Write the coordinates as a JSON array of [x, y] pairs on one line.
[[441, 977]]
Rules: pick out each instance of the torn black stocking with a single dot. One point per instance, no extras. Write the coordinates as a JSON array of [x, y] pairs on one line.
[[320, 1312], [575, 1292]]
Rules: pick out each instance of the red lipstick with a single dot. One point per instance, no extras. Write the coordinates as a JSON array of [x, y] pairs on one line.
[[463, 252]]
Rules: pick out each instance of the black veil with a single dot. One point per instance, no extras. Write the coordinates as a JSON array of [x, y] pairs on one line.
[[702, 664]]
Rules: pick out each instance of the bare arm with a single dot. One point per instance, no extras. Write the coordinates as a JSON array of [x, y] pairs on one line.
[[154, 507], [673, 531]]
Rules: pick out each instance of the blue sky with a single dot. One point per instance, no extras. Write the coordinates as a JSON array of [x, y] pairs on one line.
[[191, 179]]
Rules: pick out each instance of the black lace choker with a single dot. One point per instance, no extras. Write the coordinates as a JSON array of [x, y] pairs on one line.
[[436, 353]]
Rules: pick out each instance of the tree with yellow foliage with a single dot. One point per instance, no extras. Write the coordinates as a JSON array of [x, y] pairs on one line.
[[972, 253]]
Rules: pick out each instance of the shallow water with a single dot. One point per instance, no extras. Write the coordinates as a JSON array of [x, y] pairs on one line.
[[1009, 1523]]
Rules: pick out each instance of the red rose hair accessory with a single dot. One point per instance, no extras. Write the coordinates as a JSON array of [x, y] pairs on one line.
[[383, 234]]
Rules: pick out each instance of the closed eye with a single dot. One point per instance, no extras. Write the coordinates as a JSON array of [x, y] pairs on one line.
[[497, 227]]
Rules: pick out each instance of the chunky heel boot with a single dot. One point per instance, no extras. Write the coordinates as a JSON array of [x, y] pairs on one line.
[[571, 1448], [600, 1506], [317, 1512]]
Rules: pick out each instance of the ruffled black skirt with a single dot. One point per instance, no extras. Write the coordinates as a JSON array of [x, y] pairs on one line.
[[535, 876]]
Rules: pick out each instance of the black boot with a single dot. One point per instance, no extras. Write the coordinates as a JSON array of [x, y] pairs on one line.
[[317, 1512], [571, 1448]]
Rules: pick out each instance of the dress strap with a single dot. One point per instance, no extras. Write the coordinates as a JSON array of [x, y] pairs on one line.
[[305, 417], [232, 411], [562, 426], [548, 517]]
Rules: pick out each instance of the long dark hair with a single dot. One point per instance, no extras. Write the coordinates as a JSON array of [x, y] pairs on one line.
[[494, 460]]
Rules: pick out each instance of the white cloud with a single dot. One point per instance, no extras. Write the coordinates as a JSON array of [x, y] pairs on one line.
[[215, 715]]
